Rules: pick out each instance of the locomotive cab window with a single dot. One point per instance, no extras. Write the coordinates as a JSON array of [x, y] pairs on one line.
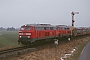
[[27, 28], [22, 28]]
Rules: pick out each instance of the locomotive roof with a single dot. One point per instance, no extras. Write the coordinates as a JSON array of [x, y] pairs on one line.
[[40, 25], [62, 26]]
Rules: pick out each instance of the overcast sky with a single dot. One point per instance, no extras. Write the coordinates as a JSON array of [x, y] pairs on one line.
[[19, 12]]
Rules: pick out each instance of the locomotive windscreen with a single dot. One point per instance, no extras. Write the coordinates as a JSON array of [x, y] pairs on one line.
[[25, 28], [22, 28]]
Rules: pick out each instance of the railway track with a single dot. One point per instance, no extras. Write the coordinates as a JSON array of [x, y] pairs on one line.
[[4, 54], [19, 50], [11, 50]]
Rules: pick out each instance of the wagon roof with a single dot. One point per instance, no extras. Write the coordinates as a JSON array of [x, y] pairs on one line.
[[81, 27]]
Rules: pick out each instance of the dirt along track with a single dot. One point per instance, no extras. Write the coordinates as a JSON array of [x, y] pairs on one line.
[[50, 52]]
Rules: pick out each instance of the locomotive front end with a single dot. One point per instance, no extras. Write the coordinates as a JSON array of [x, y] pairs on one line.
[[24, 35]]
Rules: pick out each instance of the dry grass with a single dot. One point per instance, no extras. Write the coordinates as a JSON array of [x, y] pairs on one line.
[[49, 52]]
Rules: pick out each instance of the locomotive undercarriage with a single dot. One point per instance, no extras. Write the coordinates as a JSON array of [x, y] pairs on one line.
[[24, 41], [30, 41]]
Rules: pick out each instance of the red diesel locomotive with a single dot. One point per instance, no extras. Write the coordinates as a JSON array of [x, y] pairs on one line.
[[31, 33]]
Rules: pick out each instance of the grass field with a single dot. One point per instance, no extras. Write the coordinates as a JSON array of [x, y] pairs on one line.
[[8, 38]]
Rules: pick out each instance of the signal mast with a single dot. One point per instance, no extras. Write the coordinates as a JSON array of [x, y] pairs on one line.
[[73, 13], [72, 27]]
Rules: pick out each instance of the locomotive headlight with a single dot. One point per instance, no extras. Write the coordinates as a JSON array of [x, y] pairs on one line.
[[20, 36], [28, 36]]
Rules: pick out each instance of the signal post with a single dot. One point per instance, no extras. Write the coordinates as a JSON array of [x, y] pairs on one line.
[[72, 27]]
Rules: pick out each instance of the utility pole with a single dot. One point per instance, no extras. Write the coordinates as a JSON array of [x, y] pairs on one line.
[[73, 13]]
